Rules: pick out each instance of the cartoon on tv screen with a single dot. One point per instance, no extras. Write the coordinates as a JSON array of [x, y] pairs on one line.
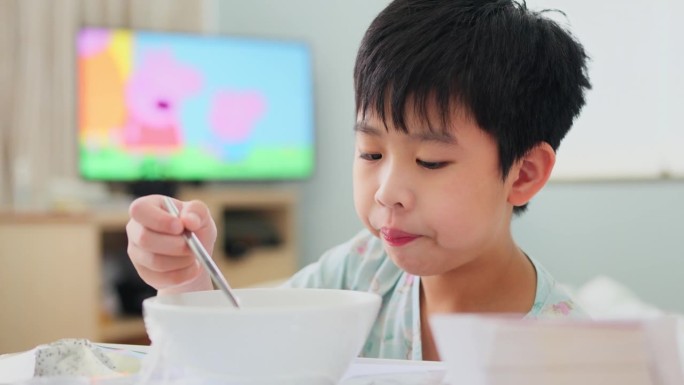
[[162, 106]]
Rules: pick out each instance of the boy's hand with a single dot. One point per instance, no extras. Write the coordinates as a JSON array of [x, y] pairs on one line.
[[159, 252]]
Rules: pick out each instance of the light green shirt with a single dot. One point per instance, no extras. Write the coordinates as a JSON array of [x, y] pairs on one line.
[[362, 264]]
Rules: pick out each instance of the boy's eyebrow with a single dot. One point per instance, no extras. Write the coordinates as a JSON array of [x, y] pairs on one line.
[[435, 136], [427, 136], [366, 129]]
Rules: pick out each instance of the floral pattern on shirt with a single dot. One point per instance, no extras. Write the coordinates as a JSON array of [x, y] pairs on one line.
[[362, 264]]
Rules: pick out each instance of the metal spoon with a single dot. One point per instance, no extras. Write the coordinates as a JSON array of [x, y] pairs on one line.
[[203, 256]]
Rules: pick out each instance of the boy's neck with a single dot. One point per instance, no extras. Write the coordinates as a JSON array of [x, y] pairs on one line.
[[508, 286], [505, 283]]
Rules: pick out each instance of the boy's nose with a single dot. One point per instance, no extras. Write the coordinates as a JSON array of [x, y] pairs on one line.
[[394, 189]]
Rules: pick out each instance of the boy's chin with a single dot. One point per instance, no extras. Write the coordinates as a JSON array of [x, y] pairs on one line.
[[410, 264]]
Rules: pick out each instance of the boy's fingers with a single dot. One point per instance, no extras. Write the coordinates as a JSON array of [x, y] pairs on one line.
[[156, 243], [151, 213], [160, 280], [151, 254], [195, 215]]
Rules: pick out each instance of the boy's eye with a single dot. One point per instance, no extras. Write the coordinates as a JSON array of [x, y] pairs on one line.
[[367, 156], [431, 165]]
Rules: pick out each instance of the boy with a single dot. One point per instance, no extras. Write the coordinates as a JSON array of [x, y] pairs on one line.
[[461, 105]]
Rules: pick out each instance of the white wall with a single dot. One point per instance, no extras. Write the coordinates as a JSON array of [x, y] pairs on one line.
[[630, 231], [631, 126]]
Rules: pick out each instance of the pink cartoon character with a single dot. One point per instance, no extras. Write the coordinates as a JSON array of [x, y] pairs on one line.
[[154, 95], [232, 117]]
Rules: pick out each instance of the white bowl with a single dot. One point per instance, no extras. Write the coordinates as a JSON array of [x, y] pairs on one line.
[[278, 336]]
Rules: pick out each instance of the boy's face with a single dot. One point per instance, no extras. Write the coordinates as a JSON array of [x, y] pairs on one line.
[[436, 202]]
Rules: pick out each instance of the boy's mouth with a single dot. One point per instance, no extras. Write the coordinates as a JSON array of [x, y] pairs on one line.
[[395, 237]]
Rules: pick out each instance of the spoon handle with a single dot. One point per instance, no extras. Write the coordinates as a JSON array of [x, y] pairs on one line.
[[203, 256]]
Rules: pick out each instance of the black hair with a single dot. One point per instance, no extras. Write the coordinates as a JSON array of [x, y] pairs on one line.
[[520, 75]]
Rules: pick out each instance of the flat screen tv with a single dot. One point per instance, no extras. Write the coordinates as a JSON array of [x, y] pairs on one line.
[[158, 106]]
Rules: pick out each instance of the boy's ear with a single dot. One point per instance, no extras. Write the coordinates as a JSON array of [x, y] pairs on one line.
[[531, 173]]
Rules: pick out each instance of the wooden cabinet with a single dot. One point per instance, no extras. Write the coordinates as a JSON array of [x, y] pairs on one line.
[[51, 266], [260, 263]]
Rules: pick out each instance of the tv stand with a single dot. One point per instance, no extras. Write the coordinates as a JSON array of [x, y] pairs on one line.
[[70, 253], [141, 188]]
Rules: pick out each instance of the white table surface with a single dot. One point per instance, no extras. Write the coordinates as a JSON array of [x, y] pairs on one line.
[[363, 371]]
